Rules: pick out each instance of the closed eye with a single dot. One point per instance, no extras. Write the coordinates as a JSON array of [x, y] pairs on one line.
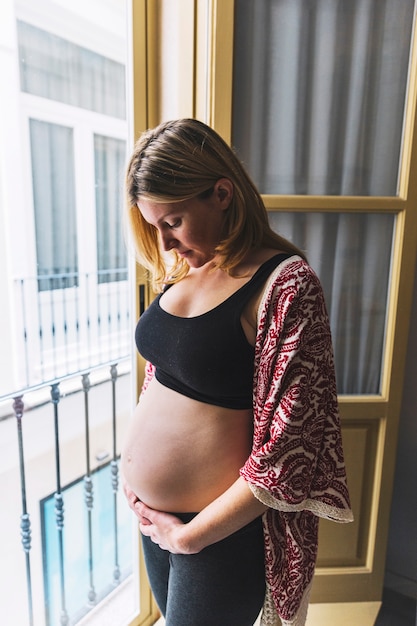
[[175, 224]]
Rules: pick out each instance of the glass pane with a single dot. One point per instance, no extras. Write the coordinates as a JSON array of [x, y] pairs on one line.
[[105, 542], [351, 254], [110, 158], [52, 151], [319, 92], [62, 332], [54, 68]]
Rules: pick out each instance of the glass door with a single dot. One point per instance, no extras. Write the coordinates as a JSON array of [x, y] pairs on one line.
[[318, 99]]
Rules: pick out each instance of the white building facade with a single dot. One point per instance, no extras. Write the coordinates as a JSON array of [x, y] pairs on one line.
[[63, 134]]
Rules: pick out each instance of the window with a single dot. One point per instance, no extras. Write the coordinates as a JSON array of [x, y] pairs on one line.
[[54, 68], [74, 130], [52, 158], [329, 122], [62, 330], [109, 159]]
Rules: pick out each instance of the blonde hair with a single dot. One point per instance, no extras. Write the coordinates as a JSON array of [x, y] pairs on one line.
[[183, 159]]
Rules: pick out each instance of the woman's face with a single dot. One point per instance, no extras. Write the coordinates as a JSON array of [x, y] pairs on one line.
[[193, 228]]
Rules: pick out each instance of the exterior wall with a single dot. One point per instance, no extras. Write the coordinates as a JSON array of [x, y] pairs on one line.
[[101, 27], [12, 230]]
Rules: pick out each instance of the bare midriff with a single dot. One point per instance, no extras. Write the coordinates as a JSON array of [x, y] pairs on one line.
[[181, 454]]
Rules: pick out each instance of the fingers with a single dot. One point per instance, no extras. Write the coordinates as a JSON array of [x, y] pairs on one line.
[[164, 529], [131, 498], [150, 530], [143, 510], [127, 491]]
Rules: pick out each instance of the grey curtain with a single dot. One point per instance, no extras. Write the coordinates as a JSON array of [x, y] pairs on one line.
[[318, 106]]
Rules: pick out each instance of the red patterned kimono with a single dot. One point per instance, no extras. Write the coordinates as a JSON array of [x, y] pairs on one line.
[[296, 466]]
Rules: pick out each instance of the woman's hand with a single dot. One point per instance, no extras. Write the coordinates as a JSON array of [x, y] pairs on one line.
[[164, 529], [232, 510], [131, 497]]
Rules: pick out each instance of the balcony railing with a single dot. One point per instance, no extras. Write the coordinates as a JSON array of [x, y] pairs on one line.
[[63, 456], [68, 322]]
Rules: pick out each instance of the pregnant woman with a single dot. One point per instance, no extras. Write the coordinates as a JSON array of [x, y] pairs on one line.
[[234, 449]]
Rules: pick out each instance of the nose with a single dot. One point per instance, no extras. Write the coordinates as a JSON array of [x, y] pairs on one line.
[[168, 241]]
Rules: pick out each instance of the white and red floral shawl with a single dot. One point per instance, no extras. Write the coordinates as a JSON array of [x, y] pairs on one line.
[[296, 466]]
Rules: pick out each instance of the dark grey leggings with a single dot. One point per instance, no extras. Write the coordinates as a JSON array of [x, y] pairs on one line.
[[223, 585]]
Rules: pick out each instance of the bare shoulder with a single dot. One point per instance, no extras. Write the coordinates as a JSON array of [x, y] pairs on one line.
[[256, 258], [250, 313]]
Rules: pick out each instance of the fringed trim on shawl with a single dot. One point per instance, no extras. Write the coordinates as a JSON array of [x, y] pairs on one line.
[[320, 509], [270, 616]]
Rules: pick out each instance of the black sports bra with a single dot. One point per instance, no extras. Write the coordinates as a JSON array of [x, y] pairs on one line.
[[206, 357]]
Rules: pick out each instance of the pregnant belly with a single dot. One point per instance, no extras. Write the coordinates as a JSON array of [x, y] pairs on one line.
[[179, 454]]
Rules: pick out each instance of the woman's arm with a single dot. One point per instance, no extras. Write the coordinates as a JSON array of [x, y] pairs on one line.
[[235, 508]]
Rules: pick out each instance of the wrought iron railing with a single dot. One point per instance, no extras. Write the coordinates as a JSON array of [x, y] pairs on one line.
[[72, 351], [92, 594], [67, 322]]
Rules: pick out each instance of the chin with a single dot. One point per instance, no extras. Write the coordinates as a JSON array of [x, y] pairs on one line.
[[196, 263]]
